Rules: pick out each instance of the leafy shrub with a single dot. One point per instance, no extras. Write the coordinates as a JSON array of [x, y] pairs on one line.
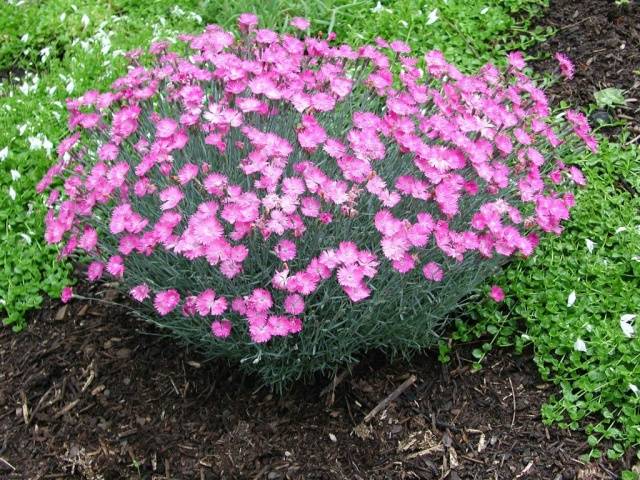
[[581, 324], [288, 204]]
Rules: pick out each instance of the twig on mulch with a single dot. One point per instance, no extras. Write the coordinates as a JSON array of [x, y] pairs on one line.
[[513, 397], [7, 464], [392, 396]]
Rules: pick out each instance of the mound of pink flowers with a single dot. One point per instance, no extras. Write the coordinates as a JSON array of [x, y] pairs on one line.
[[240, 188]]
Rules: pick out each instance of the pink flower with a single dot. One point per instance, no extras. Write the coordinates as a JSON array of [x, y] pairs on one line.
[[187, 173], [300, 23], [140, 292], [516, 60], [170, 197], [94, 271], [433, 272], [294, 304], [566, 65], [115, 266], [221, 328], [497, 294], [166, 301], [260, 333], [166, 127], [260, 300], [208, 304], [246, 21], [66, 295], [286, 250]]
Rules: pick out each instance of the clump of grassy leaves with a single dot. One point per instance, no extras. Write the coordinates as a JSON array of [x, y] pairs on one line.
[[61, 48], [569, 302]]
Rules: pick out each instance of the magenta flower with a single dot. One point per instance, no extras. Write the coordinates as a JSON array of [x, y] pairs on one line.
[[140, 292], [66, 295], [221, 328], [497, 294], [166, 301], [566, 65]]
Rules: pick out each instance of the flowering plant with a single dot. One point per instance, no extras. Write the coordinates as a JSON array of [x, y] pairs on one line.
[[289, 203]]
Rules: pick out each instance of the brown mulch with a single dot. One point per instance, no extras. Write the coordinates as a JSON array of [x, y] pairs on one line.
[[85, 394], [603, 41]]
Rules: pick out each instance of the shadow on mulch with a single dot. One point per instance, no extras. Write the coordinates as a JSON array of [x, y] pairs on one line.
[[603, 41], [84, 394]]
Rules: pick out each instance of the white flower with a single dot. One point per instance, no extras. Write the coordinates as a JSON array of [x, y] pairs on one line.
[[24, 38], [621, 229], [571, 300], [22, 128], [85, 21], [4, 153], [625, 325], [378, 8], [70, 86], [580, 346], [15, 175], [51, 90], [12, 193], [590, 245], [25, 237], [44, 53], [484, 10], [34, 143], [63, 16], [433, 16]]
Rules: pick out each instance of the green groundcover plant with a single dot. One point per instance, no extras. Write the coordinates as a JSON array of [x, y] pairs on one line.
[[288, 202], [583, 323]]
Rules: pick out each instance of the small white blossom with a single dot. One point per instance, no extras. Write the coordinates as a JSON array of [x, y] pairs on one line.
[[12, 193], [15, 175], [44, 54], [625, 324], [433, 16], [484, 10], [63, 16], [4, 153], [34, 143], [580, 346], [24, 38], [378, 8], [25, 237], [404, 24], [571, 300], [621, 229], [85, 21], [590, 245], [51, 90], [70, 86], [22, 128]]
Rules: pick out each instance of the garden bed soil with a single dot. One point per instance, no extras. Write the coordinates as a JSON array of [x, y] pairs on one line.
[[603, 41], [85, 394]]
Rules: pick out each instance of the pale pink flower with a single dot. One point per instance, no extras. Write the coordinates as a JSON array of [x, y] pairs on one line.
[[140, 292], [285, 250], [300, 23], [432, 271], [166, 301], [294, 304]]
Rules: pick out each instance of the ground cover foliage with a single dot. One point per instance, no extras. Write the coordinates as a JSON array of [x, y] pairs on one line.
[[31, 119]]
